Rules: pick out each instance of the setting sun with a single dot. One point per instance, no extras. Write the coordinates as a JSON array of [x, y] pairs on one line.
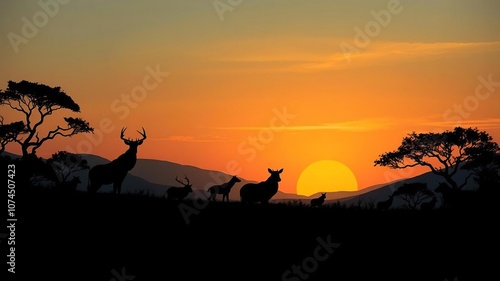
[[326, 176]]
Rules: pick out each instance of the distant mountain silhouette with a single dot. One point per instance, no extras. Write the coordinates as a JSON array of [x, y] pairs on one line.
[[154, 177], [164, 173], [382, 192], [330, 196]]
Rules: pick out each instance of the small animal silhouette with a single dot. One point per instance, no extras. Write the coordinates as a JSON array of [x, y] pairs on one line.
[[223, 189], [317, 202], [179, 193], [263, 191], [115, 171], [384, 205], [429, 205]]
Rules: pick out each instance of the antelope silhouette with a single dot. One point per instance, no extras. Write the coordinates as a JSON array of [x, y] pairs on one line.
[[317, 202], [384, 205], [179, 193], [115, 171], [223, 189], [263, 191]]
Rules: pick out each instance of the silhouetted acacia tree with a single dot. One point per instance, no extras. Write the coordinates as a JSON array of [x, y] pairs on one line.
[[413, 194], [443, 153], [65, 164], [36, 102]]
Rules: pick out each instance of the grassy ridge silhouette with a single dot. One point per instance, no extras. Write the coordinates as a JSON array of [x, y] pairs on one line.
[[84, 236]]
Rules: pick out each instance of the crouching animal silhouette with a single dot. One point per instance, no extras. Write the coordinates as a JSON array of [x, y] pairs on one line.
[[263, 191], [317, 202], [179, 193]]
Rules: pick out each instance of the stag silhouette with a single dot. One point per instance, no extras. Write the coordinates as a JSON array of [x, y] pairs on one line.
[[317, 202], [223, 189], [263, 191], [115, 171], [179, 193]]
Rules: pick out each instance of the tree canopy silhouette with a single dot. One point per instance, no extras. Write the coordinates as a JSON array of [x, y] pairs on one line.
[[9, 132], [37, 102], [65, 164], [413, 194], [443, 153]]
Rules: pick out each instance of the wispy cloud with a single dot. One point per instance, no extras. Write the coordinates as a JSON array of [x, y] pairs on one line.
[[393, 51], [181, 138], [364, 125], [488, 123], [317, 54]]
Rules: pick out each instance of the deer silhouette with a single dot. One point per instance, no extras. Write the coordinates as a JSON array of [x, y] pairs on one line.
[[179, 193], [429, 205], [223, 189], [115, 171], [263, 191], [385, 205], [317, 202]]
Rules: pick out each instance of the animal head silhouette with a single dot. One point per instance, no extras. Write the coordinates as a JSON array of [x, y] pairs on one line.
[[133, 143], [275, 175], [187, 185]]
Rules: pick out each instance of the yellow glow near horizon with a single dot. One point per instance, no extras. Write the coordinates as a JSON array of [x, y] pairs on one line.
[[326, 176]]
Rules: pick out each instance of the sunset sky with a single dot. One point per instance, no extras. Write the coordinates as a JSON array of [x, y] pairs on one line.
[[242, 86]]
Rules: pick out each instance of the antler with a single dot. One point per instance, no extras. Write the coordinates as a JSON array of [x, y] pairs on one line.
[[122, 133], [177, 180], [187, 180], [143, 134]]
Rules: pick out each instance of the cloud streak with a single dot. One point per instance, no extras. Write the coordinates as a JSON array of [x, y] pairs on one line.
[[319, 54], [487, 123], [394, 51], [183, 138], [365, 125]]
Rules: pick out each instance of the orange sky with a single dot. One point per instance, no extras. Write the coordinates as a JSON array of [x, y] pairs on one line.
[[260, 85]]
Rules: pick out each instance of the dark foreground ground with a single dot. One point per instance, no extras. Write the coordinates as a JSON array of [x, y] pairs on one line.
[[125, 237]]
